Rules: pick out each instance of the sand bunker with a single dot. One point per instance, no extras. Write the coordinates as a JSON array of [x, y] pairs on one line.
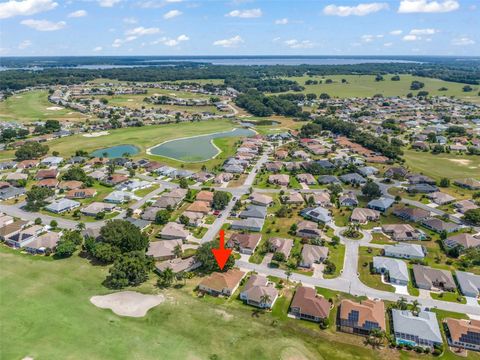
[[96, 134], [54, 108], [127, 303]]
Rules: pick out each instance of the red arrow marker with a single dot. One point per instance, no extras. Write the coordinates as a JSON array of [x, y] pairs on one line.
[[221, 254]]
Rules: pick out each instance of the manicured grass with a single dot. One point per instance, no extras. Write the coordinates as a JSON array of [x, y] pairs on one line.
[[365, 260], [449, 296], [45, 303], [452, 166], [199, 232], [146, 191], [366, 86], [32, 106], [336, 254], [379, 238]]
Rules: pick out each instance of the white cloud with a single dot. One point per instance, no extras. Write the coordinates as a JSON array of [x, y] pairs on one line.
[[44, 25], [171, 42], [396, 32], [117, 43], [229, 43], [245, 14], [108, 3], [427, 6], [25, 8], [24, 44], [141, 31], [171, 14], [77, 14], [97, 49], [463, 41], [130, 20], [359, 10], [299, 44], [411, 38], [369, 38], [388, 44], [423, 31], [283, 21]]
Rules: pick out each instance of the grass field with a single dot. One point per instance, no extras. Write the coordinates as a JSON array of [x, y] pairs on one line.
[[451, 165], [45, 303], [366, 86], [33, 106]]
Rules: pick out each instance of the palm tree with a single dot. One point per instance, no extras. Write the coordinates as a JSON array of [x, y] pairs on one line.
[[402, 303], [415, 307], [167, 277], [81, 226], [375, 338], [288, 273], [265, 299], [177, 251], [110, 168]]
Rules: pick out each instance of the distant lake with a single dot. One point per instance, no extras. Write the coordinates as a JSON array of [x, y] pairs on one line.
[[198, 148], [116, 151]]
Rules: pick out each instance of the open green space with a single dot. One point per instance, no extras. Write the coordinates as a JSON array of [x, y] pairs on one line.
[[45, 303], [33, 106], [452, 166], [366, 86], [365, 261]]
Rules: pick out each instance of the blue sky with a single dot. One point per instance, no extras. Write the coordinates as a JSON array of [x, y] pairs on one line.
[[239, 27]]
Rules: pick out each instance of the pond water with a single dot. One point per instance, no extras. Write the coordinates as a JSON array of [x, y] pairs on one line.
[[116, 151], [198, 148]]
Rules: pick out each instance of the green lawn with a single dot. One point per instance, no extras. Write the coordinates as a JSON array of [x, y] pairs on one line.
[[366, 86], [45, 303], [336, 254], [451, 165], [365, 260], [449, 296], [34, 105]]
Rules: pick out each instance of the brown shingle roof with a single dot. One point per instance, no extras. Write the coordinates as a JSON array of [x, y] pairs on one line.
[[309, 303], [219, 281], [368, 310], [459, 327]]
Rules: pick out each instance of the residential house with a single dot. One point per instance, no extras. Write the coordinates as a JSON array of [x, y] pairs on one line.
[[438, 225], [254, 211], [173, 230], [348, 199], [199, 207], [119, 197], [318, 214], [463, 240], [353, 178], [178, 265], [308, 230], [307, 305], [81, 193], [440, 198], [259, 292], [251, 224], [11, 192], [46, 174], [463, 206], [12, 228], [367, 171], [416, 330], [403, 232], [274, 166], [225, 283], [432, 279], [381, 204], [97, 207], [320, 198], [469, 283], [308, 179], [48, 183], [396, 173], [260, 199], [279, 179], [469, 183], [244, 243], [70, 185], [24, 236], [312, 254], [205, 196], [363, 215], [463, 333], [405, 251], [395, 270], [422, 188], [163, 249], [43, 243], [328, 179], [294, 198], [52, 161], [280, 245], [361, 318], [62, 205], [411, 213]]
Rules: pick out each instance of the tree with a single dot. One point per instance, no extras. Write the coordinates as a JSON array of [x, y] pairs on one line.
[[130, 269], [329, 268], [293, 228], [288, 273], [38, 221], [124, 235], [184, 220], [177, 251], [415, 307], [103, 252], [162, 217], [220, 200], [36, 197], [282, 212], [183, 183], [278, 256], [75, 173], [416, 85], [402, 304], [80, 226], [205, 256], [467, 88], [265, 299], [31, 150], [166, 278], [53, 224], [472, 216], [444, 182], [65, 248], [110, 168], [371, 190]]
